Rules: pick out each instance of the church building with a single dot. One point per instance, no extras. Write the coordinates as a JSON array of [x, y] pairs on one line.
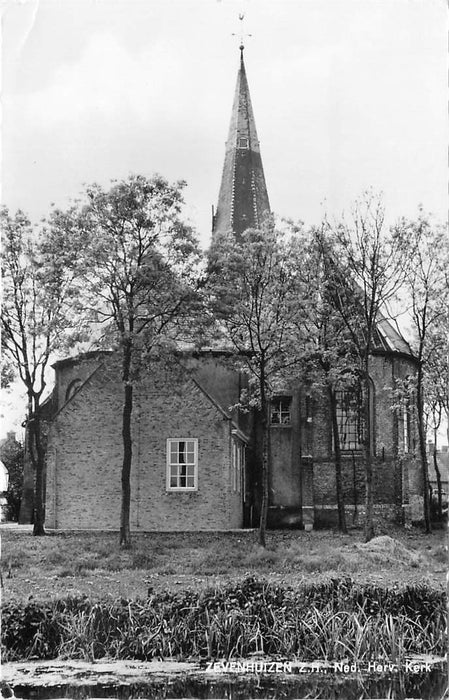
[[194, 461]]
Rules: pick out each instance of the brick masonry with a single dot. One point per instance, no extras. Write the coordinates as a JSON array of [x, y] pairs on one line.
[[397, 477], [85, 451], [85, 454]]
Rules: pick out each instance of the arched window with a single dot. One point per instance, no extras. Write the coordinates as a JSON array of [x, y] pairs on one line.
[[73, 386]]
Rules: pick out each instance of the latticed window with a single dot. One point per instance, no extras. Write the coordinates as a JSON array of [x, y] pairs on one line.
[[351, 427], [281, 410], [182, 464]]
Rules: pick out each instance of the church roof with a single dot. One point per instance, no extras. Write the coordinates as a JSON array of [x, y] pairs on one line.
[[243, 199], [91, 355], [389, 339]]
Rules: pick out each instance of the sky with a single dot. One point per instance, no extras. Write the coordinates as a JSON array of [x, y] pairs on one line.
[[347, 95]]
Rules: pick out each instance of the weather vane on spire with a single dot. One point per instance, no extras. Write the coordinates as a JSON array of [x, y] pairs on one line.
[[241, 33]]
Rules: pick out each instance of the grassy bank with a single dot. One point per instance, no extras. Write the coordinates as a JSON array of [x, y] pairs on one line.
[[92, 564], [335, 620]]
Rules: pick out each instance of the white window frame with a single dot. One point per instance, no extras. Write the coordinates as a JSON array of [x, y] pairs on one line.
[[281, 407], [169, 466]]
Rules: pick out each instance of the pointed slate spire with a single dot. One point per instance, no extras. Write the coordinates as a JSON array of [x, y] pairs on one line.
[[243, 199]]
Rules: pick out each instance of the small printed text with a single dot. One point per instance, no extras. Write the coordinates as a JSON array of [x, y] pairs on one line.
[[269, 667]]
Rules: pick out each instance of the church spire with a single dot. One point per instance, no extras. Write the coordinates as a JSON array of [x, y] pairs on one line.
[[243, 199]]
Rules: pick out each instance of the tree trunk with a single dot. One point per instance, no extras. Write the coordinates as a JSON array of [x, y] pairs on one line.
[[423, 451], [26, 514], [39, 505], [439, 486], [369, 496], [438, 475], [447, 413], [337, 451], [354, 486], [265, 472], [37, 458], [369, 516], [125, 532]]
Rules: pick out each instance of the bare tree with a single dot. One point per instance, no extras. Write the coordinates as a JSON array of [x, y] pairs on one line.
[[329, 362], [253, 289], [365, 270], [426, 249], [436, 393]]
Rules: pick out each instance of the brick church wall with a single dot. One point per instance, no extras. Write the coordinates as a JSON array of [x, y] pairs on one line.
[[79, 368], [83, 461], [395, 475], [85, 455], [85, 452]]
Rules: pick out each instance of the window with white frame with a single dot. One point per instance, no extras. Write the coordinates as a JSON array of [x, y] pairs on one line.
[[182, 464], [281, 410]]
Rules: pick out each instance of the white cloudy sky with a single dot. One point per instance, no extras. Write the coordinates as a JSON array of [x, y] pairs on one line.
[[347, 94]]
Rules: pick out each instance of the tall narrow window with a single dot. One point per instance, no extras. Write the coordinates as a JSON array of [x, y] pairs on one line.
[[351, 427], [182, 464], [404, 437], [237, 465], [406, 430], [281, 411]]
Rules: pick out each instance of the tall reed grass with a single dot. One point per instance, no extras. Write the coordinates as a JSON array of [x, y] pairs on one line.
[[335, 620]]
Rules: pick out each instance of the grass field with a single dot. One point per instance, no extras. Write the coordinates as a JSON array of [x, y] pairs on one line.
[[92, 564]]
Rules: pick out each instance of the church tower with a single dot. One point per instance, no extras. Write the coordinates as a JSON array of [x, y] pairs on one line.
[[243, 199]]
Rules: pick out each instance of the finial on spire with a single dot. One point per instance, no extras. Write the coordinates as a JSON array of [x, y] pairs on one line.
[[241, 34]]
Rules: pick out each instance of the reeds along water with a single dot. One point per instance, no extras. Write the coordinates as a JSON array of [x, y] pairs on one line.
[[334, 620]]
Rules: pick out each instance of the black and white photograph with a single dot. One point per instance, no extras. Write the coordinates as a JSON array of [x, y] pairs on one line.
[[224, 349]]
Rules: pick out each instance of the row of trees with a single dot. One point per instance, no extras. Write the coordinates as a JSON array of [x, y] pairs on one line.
[[121, 269]]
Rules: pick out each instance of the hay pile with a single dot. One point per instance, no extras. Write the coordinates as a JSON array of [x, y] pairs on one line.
[[385, 548]]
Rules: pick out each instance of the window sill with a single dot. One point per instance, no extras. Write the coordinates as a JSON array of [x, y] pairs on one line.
[[195, 490]]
